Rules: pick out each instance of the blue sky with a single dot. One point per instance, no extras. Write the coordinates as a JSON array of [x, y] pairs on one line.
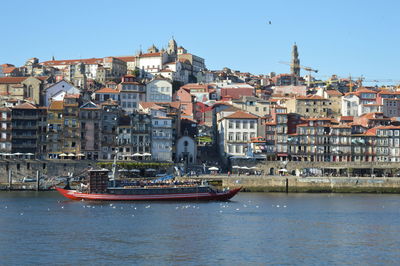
[[335, 37]]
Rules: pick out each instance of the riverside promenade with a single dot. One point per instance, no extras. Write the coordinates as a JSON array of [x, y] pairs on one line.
[[266, 183], [289, 184]]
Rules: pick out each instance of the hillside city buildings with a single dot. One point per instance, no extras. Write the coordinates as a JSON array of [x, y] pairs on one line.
[[165, 105]]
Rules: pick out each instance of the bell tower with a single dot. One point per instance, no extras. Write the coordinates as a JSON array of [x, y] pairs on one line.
[[295, 64]]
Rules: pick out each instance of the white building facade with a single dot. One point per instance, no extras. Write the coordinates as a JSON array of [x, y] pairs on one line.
[[235, 132], [131, 93], [159, 90], [57, 91], [162, 137]]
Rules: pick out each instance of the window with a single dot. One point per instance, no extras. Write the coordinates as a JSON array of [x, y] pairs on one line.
[[238, 149], [245, 136], [230, 148], [252, 124], [237, 123], [238, 136], [230, 136], [230, 124]]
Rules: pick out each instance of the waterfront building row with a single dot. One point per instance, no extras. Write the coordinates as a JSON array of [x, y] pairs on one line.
[[75, 129]]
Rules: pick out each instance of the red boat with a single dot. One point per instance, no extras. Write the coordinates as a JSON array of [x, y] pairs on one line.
[[156, 193]]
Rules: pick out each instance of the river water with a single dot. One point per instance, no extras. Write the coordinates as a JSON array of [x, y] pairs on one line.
[[252, 229]]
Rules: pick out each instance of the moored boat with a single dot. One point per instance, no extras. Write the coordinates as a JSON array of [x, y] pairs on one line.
[[98, 188], [146, 194]]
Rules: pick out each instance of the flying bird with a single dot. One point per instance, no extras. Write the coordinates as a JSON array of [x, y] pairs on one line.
[[269, 22]]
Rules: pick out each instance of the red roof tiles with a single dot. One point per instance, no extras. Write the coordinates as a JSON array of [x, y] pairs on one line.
[[241, 115]]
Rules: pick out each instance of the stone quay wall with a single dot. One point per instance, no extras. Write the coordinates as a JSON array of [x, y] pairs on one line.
[[310, 184], [272, 167], [21, 168]]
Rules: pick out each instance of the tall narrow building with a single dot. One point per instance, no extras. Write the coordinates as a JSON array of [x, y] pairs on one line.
[[295, 64]]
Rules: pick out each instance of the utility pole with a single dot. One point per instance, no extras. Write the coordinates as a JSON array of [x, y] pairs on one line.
[[9, 179], [37, 180]]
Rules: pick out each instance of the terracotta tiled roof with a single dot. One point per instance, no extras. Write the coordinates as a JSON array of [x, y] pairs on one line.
[[7, 70], [89, 61], [150, 105], [334, 93], [107, 90], [25, 106], [241, 115], [132, 82], [310, 97], [365, 90], [346, 117], [12, 80], [126, 58], [150, 55], [370, 132]]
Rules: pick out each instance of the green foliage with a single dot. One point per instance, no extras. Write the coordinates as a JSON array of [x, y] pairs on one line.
[[206, 139]]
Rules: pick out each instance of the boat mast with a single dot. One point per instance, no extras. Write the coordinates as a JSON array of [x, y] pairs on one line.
[[114, 167]]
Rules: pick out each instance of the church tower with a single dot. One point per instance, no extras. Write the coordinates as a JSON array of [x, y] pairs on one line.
[[295, 64], [172, 47]]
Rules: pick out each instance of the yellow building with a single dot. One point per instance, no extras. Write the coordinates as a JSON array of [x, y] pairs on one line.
[[309, 106], [55, 122]]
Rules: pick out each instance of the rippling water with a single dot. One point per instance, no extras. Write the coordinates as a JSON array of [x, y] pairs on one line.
[[254, 228]]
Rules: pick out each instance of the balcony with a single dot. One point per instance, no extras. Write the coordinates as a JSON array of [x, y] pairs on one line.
[[25, 117], [25, 127], [24, 145], [24, 136]]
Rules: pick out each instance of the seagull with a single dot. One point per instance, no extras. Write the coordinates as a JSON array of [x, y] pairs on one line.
[[269, 22]]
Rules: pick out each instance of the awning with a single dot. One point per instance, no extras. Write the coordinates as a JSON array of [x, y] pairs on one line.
[[135, 170], [235, 167], [146, 154], [213, 168], [282, 154], [137, 154], [18, 153], [71, 154], [282, 170], [80, 154], [62, 155]]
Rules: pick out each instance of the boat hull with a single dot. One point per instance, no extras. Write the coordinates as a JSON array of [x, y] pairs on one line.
[[221, 196]]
